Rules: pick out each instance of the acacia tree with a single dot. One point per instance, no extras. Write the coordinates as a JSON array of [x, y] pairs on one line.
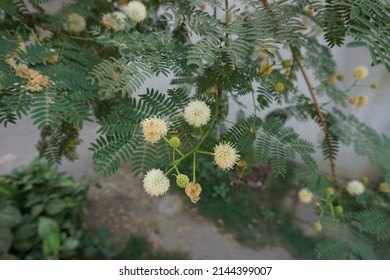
[[87, 61]]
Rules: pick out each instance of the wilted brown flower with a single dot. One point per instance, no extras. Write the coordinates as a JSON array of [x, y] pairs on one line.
[[36, 81], [193, 191]]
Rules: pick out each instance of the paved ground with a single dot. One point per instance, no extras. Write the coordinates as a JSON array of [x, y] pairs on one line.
[[167, 221]]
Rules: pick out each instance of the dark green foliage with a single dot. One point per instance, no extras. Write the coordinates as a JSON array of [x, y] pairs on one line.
[[364, 20], [59, 142], [374, 221], [365, 141], [40, 210], [277, 144]]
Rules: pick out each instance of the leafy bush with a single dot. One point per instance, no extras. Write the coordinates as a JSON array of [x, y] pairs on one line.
[[40, 211], [40, 218]]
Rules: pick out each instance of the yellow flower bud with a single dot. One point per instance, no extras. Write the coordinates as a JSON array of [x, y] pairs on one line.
[[362, 100], [279, 87], [317, 226], [374, 86], [360, 73], [310, 11], [266, 68], [364, 180], [329, 191], [332, 80], [340, 77], [182, 180], [338, 209], [174, 142], [285, 63], [353, 100]]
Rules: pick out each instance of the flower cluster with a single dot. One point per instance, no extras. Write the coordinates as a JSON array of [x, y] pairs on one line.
[[225, 155], [156, 183], [53, 59], [355, 188], [197, 113], [266, 68], [36, 81], [136, 11], [115, 20], [76, 23], [358, 101], [154, 129], [360, 73], [305, 195]]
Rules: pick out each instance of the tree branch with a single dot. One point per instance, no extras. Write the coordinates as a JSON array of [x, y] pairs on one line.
[[314, 99]]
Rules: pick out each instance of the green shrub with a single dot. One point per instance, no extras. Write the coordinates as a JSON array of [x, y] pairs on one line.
[[39, 213]]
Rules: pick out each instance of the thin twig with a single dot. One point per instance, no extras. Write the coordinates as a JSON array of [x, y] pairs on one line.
[[314, 99], [317, 107]]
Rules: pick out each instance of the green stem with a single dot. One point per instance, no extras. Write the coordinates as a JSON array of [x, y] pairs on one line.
[[81, 38], [321, 211], [205, 153], [175, 149], [331, 210], [173, 160], [201, 132], [177, 162], [351, 87], [177, 170], [194, 168]]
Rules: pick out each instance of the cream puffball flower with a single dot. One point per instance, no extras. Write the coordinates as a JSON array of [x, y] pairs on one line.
[[355, 187], [76, 23], [197, 113], [360, 72], [305, 195], [225, 155], [156, 183], [118, 20], [154, 129], [136, 11]]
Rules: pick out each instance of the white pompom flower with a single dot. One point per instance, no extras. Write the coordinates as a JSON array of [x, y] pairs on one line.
[[76, 23], [305, 195], [355, 187], [156, 183], [197, 113], [118, 20], [360, 72], [154, 129], [225, 155], [136, 11]]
